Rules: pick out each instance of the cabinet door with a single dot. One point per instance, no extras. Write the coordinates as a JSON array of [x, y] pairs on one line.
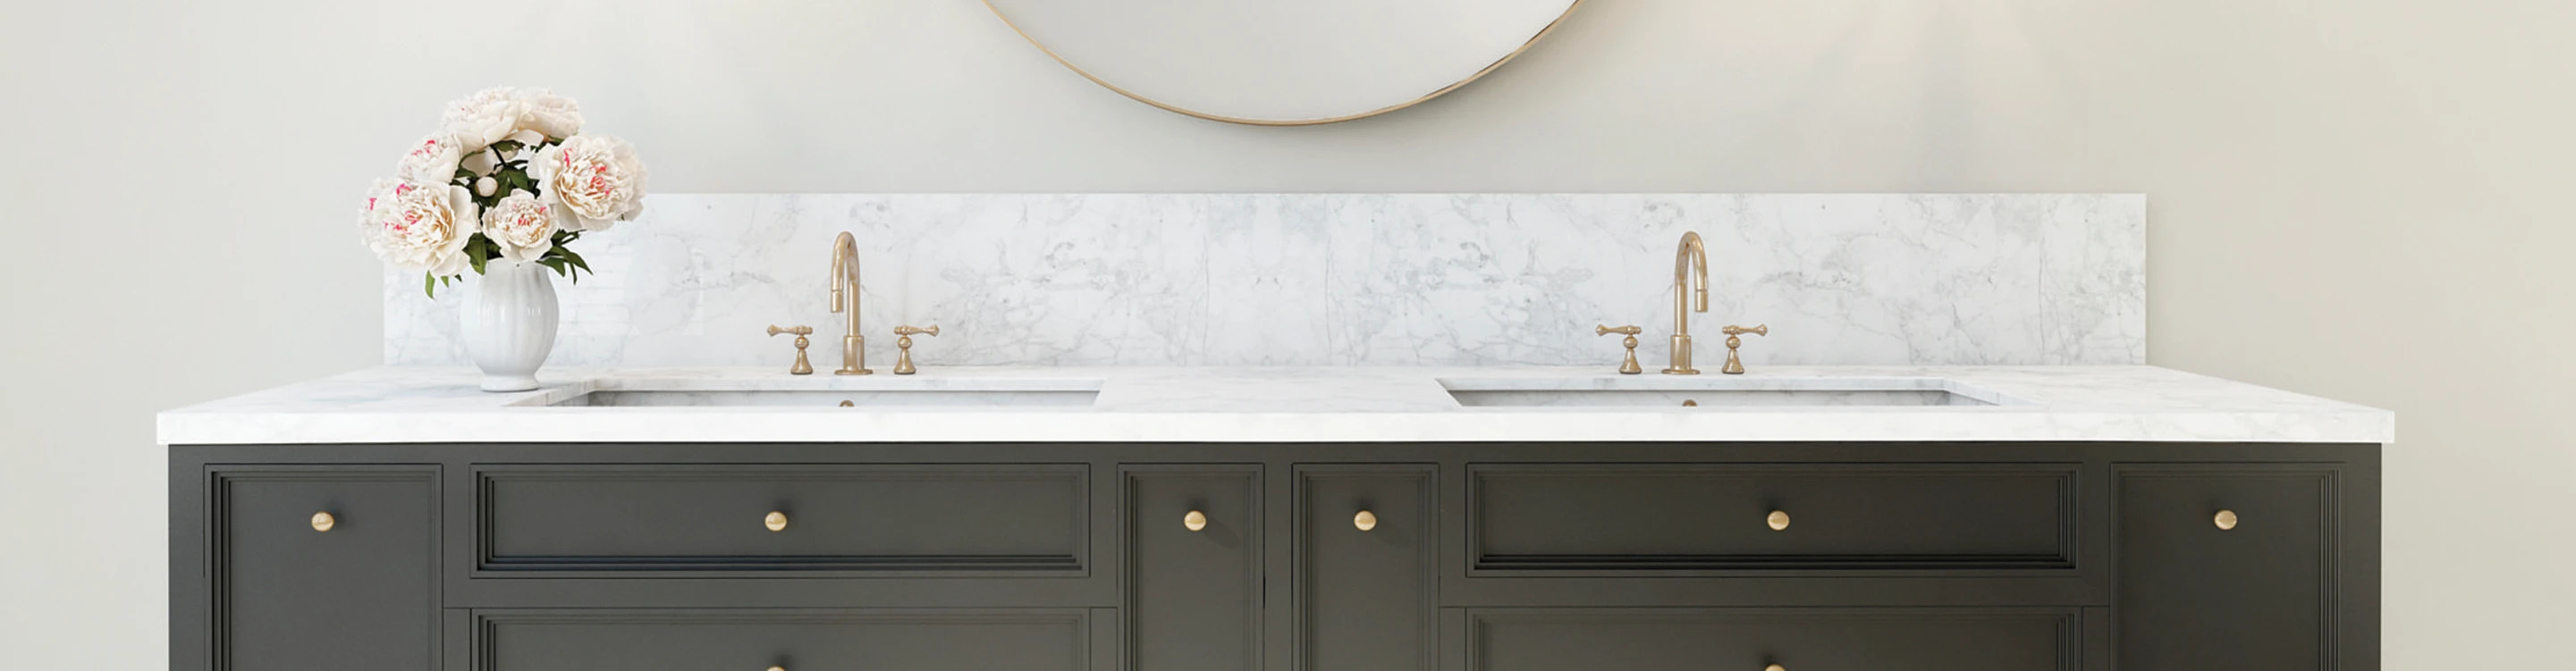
[[2226, 567], [1752, 639], [1194, 567], [294, 592], [794, 639], [1366, 594]]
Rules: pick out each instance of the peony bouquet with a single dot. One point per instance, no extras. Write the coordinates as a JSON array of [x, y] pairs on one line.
[[508, 175]]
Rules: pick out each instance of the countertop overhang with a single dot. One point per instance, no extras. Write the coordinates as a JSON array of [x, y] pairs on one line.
[[1265, 405]]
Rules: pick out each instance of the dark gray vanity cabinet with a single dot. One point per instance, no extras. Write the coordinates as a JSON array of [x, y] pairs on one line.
[[1247, 557], [311, 569]]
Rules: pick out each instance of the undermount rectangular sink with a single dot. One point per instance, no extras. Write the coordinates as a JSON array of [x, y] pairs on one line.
[[1051, 393], [1712, 392]]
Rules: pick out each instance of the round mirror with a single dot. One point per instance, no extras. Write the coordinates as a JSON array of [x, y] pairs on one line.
[[1283, 62]]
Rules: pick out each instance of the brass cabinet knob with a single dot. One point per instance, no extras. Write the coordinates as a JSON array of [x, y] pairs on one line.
[[778, 668], [2225, 519], [1779, 520], [776, 521], [1365, 520], [324, 521], [1774, 667], [1195, 521]]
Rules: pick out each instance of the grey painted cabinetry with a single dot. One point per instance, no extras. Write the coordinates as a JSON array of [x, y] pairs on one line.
[[1348, 557]]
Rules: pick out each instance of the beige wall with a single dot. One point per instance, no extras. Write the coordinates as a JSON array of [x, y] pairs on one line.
[[2360, 199]]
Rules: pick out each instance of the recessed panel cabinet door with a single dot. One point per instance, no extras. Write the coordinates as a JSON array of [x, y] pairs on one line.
[[2226, 567], [793, 639], [324, 569], [1366, 592], [1194, 567], [1753, 639]]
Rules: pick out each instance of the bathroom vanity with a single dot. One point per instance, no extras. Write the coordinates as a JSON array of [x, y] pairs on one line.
[[1327, 519]]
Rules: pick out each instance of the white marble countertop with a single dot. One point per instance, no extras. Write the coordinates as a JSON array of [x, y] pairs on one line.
[[1255, 405]]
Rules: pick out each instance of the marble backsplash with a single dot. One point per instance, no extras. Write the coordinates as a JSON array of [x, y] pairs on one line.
[[1345, 279]]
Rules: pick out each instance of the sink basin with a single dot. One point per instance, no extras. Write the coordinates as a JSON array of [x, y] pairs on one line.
[[1055, 393], [1678, 393]]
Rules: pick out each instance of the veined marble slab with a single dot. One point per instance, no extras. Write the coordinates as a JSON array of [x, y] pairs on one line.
[[413, 404], [1347, 279]]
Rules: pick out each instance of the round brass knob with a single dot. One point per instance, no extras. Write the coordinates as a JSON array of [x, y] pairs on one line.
[[776, 521], [1779, 520], [778, 668], [1365, 520], [2225, 519], [324, 521], [1774, 667], [1195, 521]]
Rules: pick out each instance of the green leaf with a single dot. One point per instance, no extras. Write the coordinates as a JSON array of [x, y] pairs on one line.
[[474, 252], [575, 259], [429, 285]]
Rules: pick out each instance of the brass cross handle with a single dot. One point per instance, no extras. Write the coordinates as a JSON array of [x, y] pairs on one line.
[[802, 366], [1735, 366], [1628, 367], [903, 346]]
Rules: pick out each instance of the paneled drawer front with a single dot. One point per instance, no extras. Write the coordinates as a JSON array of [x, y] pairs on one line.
[[1194, 573], [651, 640], [1714, 517], [1753, 639], [814, 517], [295, 591]]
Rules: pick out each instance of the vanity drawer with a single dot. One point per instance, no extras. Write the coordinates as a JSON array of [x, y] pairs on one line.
[[788, 517], [1678, 639], [1650, 518], [653, 640]]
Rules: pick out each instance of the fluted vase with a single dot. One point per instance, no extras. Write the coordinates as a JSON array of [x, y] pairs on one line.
[[509, 321]]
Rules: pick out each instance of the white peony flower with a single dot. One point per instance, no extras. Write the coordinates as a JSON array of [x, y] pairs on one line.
[[419, 227], [484, 118], [556, 116], [432, 161], [523, 227], [593, 182]]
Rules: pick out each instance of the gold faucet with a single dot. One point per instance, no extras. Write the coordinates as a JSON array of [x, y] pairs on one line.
[[1690, 273], [845, 299]]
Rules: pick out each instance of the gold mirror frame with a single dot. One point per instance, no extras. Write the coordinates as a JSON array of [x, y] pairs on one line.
[[1480, 74]]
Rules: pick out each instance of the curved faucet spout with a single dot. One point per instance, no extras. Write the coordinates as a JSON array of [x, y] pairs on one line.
[[1690, 278], [845, 299]]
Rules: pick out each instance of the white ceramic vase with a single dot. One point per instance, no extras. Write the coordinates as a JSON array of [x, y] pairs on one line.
[[509, 321]]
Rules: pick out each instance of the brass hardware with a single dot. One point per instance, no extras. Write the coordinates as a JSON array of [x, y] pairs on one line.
[[1690, 278], [1690, 403], [847, 404], [903, 346], [1195, 521], [1365, 520], [1774, 667], [802, 366], [1735, 366], [2225, 519], [845, 299], [1628, 367], [778, 668], [776, 521], [1779, 520], [324, 521]]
